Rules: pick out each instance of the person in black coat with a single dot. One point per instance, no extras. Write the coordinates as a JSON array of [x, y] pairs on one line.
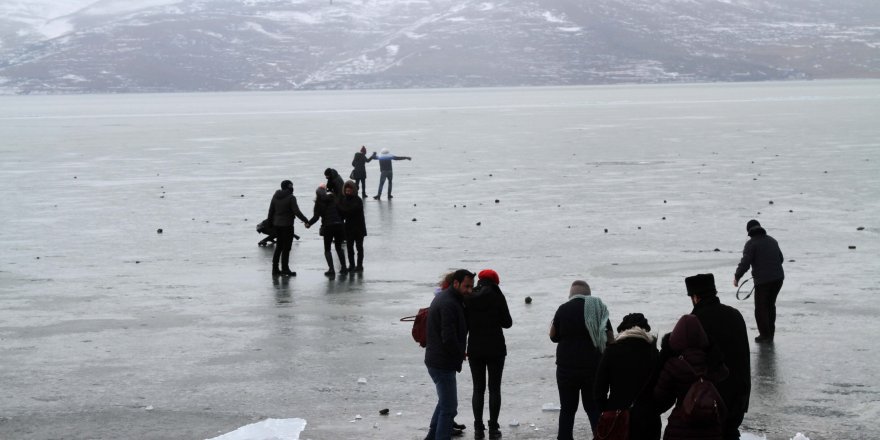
[[351, 207], [334, 183], [763, 255], [445, 350], [629, 370], [359, 173], [282, 210], [487, 315], [332, 229], [727, 336]]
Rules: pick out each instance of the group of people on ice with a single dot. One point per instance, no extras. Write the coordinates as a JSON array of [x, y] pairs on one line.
[[701, 370], [340, 210]]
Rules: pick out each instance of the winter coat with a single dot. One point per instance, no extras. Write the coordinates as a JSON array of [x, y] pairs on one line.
[[762, 253], [727, 335], [677, 375], [325, 209], [447, 331], [335, 184], [487, 314], [574, 349], [360, 165], [629, 367], [352, 210], [283, 208], [385, 160]]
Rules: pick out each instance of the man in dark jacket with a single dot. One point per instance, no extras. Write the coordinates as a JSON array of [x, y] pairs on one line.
[[762, 253], [334, 183], [445, 350], [282, 209], [487, 315], [729, 340]]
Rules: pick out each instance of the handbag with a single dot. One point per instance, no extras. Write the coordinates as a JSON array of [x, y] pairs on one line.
[[613, 425]]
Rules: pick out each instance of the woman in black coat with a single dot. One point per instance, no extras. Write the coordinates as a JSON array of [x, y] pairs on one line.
[[359, 173], [629, 369], [332, 228], [487, 314], [352, 209]]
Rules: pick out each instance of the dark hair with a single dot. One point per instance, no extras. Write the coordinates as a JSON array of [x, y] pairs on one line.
[[328, 172], [286, 183], [634, 320], [461, 274]]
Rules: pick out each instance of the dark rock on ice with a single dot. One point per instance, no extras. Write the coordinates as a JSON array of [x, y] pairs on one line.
[[159, 231], [860, 228], [852, 247], [528, 300], [383, 412], [479, 223]]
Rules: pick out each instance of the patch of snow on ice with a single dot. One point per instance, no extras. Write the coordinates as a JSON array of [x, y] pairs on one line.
[[456, 19], [55, 28], [125, 6], [552, 18], [486, 7], [800, 436], [392, 49], [750, 436], [269, 429], [570, 29]]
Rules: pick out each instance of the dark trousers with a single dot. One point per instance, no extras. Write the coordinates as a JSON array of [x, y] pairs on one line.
[[479, 368], [765, 307], [350, 244], [447, 403], [334, 234], [282, 247], [574, 384], [362, 184]]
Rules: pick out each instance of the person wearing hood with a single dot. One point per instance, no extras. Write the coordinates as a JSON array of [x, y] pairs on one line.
[[352, 209], [581, 329], [629, 370], [334, 183], [761, 252], [692, 361], [487, 315], [359, 173], [385, 157], [332, 229], [282, 210], [729, 341]]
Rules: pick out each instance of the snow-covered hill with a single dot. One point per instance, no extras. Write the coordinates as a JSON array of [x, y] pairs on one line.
[[215, 45]]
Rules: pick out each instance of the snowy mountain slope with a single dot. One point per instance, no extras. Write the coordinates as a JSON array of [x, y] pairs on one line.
[[194, 45]]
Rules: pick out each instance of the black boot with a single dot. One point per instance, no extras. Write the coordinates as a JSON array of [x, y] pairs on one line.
[[479, 430], [331, 272], [494, 432]]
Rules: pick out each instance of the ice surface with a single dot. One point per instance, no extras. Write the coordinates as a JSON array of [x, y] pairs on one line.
[[269, 429], [200, 331]]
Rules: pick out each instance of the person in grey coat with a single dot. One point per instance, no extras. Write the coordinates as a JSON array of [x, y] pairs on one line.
[[763, 255]]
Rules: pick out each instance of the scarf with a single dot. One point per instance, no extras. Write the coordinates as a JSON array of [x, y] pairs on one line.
[[596, 318]]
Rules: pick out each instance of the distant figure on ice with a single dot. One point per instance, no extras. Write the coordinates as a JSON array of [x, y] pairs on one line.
[[728, 341], [762, 253], [581, 328], [352, 209], [690, 361], [445, 350], [334, 182], [332, 229], [487, 315], [385, 157], [628, 370], [359, 173], [282, 209]]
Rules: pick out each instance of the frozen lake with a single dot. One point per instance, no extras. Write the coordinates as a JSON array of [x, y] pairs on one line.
[[109, 330]]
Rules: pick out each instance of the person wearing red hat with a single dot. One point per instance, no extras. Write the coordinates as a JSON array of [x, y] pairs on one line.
[[487, 315], [359, 173]]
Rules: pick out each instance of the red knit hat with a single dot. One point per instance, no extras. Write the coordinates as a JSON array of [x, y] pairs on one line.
[[489, 274]]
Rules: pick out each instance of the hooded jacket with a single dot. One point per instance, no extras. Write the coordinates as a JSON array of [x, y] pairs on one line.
[[762, 253], [352, 210], [283, 208], [335, 183], [325, 208], [447, 331], [487, 314]]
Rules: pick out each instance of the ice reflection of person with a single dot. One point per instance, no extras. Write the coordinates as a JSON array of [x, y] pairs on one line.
[[332, 229], [445, 350], [729, 338], [386, 173], [581, 328], [282, 210], [628, 370], [487, 315], [690, 344], [359, 173], [762, 253], [352, 209]]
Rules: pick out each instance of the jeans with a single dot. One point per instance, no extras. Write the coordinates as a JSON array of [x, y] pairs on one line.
[[447, 403], [282, 247], [479, 368], [765, 307], [385, 175], [573, 384]]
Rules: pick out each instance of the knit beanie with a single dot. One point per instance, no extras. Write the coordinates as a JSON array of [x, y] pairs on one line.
[[363, 149], [634, 320], [489, 274]]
